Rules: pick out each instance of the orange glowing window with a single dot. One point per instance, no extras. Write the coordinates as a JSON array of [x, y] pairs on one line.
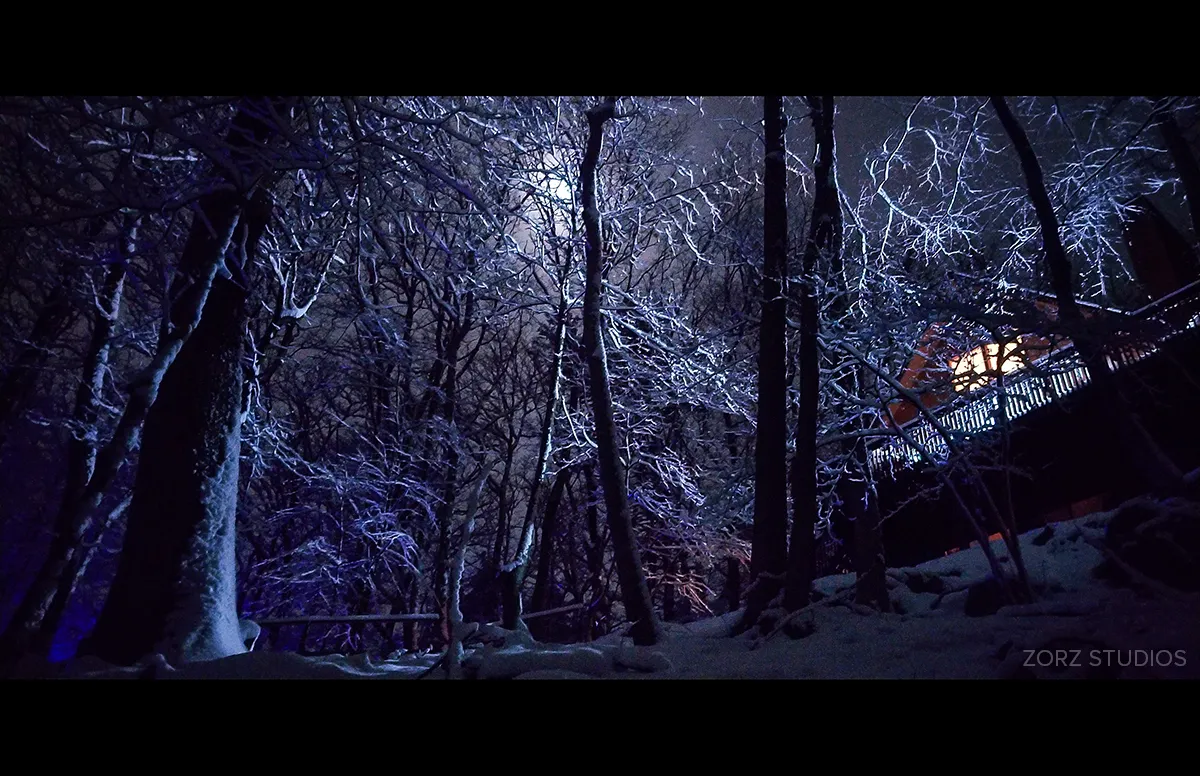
[[979, 366]]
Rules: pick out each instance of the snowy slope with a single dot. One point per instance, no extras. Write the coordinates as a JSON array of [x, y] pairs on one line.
[[1065, 633]]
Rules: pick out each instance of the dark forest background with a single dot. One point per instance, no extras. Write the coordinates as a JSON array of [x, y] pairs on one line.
[[482, 357]]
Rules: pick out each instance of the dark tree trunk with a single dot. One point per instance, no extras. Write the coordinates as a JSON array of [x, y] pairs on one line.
[[454, 618], [411, 597], [67, 559], [500, 539], [209, 238], [175, 589], [870, 565], [512, 576], [459, 326], [824, 239], [733, 584], [634, 591], [1144, 455], [445, 513], [545, 569], [53, 315], [174, 581], [768, 552], [860, 521], [595, 556], [671, 574], [1185, 166]]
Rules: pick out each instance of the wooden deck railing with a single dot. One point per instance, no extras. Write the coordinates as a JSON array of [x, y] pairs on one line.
[[1054, 377]]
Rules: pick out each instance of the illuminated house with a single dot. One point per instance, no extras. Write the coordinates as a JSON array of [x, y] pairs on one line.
[[1069, 463], [966, 390]]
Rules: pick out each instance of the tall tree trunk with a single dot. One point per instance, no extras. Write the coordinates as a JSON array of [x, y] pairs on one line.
[[1185, 166], [858, 502], [512, 576], [1146, 457], [460, 325], [768, 552], [545, 569], [201, 256], [870, 565], [175, 589], [56, 577], [824, 239], [454, 649], [501, 538], [634, 591], [595, 556], [445, 512]]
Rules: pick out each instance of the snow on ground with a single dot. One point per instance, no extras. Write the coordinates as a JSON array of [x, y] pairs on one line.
[[1065, 633], [256, 665], [1080, 626]]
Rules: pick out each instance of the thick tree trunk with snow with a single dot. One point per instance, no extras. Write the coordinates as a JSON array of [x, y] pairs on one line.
[[203, 253], [1145, 456], [768, 553], [175, 590], [824, 239], [634, 591]]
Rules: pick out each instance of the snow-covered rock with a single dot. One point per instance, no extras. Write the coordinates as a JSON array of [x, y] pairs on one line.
[[510, 662], [638, 658]]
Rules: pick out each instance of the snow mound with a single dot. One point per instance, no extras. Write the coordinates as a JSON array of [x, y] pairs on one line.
[[563, 661], [713, 627], [492, 635], [638, 658], [511, 662], [552, 673]]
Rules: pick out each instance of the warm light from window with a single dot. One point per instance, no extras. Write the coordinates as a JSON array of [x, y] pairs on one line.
[[976, 368]]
